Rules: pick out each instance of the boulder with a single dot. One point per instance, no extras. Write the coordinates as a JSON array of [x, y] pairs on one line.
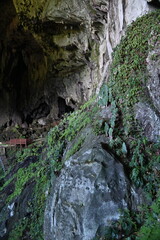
[[148, 112], [149, 120], [153, 67], [91, 192]]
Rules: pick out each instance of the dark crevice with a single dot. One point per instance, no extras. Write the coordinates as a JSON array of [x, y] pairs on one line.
[[155, 3], [41, 111], [29, 119], [72, 102], [53, 28], [63, 107], [71, 47], [110, 150], [124, 7]]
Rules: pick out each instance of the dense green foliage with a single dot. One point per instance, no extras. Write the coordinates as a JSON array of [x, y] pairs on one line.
[[67, 131]]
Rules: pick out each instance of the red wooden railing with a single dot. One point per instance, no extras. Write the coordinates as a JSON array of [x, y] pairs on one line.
[[16, 141]]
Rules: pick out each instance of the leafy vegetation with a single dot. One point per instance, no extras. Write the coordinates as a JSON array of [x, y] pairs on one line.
[[32, 171], [75, 147], [128, 226], [141, 157], [151, 228], [128, 70], [67, 131], [17, 232]]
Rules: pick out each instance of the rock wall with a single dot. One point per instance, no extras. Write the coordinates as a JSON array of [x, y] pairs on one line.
[[88, 194], [57, 50]]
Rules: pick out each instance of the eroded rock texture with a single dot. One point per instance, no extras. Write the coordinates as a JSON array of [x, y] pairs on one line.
[[57, 51], [13, 211], [88, 194], [149, 120], [148, 113]]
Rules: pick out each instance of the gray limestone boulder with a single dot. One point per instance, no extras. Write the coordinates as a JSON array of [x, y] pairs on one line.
[[153, 67], [149, 120], [89, 194], [148, 113]]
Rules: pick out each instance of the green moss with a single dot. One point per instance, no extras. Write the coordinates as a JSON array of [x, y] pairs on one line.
[[68, 130], [31, 8], [22, 177], [77, 145], [38, 204], [17, 232], [32, 225], [151, 229], [37, 173]]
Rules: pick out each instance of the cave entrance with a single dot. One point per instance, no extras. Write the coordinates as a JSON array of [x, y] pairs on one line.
[[29, 119], [42, 110], [63, 107], [154, 3]]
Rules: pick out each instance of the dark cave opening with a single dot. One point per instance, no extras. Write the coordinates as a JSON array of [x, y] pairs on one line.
[[17, 79], [42, 110], [29, 119], [63, 107], [155, 3]]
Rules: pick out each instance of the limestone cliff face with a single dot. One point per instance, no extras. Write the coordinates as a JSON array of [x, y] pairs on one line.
[[56, 55]]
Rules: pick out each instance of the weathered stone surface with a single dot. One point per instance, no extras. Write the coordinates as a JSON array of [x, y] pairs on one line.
[[88, 194], [120, 15], [13, 211], [149, 121], [148, 114], [63, 51], [153, 67], [154, 2]]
